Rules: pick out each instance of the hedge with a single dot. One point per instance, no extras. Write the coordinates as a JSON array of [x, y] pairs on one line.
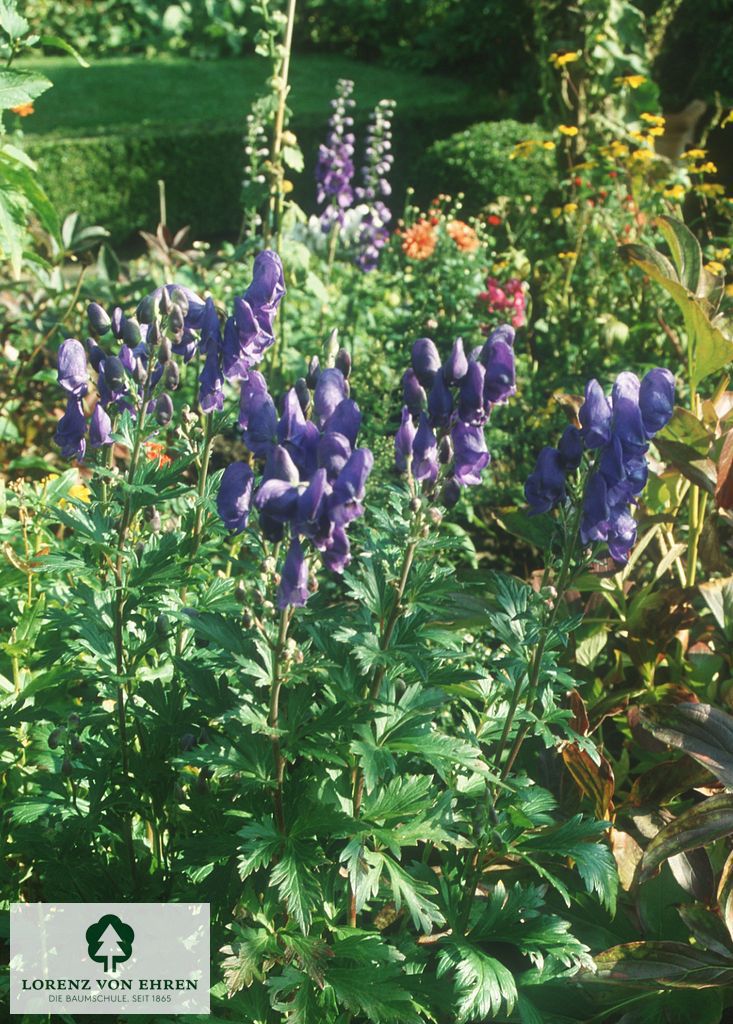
[[112, 179]]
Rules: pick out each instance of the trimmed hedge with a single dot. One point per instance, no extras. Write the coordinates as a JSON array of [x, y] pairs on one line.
[[478, 163], [112, 179]]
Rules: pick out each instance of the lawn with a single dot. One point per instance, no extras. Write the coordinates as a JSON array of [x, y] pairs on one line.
[[128, 93]]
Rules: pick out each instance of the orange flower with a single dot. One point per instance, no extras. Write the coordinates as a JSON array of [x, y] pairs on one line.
[[156, 450], [419, 241], [463, 235], [24, 110]]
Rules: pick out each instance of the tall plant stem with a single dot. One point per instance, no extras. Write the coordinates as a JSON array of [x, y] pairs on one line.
[[277, 141], [119, 615], [273, 718], [378, 678]]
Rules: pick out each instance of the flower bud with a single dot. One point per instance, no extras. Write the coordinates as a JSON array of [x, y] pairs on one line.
[[304, 395], [415, 505], [188, 741], [139, 550], [436, 516], [163, 625], [343, 362], [114, 373], [175, 318], [147, 308], [139, 373], [164, 409], [445, 450], [77, 747], [54, 739], [165, 302], [164, 351], [131, 333], [180, 299], [240, 593], [99, 319], [66, 767], [451, 493], [154, 334], [73, 720], [314, 368], [171, 375]]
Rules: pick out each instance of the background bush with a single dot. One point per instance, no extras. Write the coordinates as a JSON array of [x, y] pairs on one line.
[[478, 162]]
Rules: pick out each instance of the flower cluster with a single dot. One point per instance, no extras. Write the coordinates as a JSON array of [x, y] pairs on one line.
[[335, 167], [617, 430], [446, 407], [419, 240], [313, 475], [463, 235], [510, 297], [376, 187], [171, 321]]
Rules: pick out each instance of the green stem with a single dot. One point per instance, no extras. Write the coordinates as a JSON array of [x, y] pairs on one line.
[[379, 674], [199, 518], [273, 718], [276, 200]]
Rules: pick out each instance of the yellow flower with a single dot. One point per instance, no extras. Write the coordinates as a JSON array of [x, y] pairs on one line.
[[568, 129], [81, 493], [655, 119], [707, 168], [713, 267], [570, 208], [637, 135], [722, 254], [287, 186], [567, 255], [559, 60], [643, 156], [694, 154], [674, 191], [658, 130], [548, 144], [728, 119], [633, 81], [710, 189], [556, 211], [619, 149], [522, 148], [729, 290]]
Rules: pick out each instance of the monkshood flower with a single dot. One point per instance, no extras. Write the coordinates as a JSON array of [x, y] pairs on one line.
[[376, 187], [335, 167], [446, 406], [616, 431], [311, 475]]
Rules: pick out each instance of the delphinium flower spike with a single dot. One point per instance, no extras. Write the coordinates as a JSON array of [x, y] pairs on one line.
[[376, 187], [335, 167]]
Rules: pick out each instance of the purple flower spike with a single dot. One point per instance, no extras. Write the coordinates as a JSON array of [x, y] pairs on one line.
[[627, 423], [425, 361], [331, 390], [621, 537], [545, 487], [595, 416], [211, 390], [403, 441], [335, 168], [337, 554], [334, 451], [261, 432], [656, 400], [252, 390], [470, 453], [425, 464], [471, 395], [100, 428], [73, 375], [348, 490], [234, 499], [311, 517], [280, 466], [594, 523], [440, 401], [571, 449], [456, 365], [267, 288], [292, 421], [293, 591], [71, 430], [498, 358], [413, 392], [345, 419]]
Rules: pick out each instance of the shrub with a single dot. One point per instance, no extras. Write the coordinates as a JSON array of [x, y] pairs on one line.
[[478, 161]]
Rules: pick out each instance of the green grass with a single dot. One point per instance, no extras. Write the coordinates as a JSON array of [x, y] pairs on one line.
[[126, 92]]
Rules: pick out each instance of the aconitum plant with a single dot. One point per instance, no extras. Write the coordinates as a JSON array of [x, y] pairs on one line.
[[614, 435], [376, 187], [440, 442], [310, 476]]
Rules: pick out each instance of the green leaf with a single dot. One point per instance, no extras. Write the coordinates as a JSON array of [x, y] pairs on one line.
[[725, 894], [413, 893], [702, 731], [663, 964], [701, 825], [19, 87], [12, 23], [60, 44], [483, 984], [685, 249], [244, 957], [296, 883]]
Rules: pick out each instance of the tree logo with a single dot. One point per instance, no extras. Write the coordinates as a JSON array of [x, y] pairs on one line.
[[109, 942]]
